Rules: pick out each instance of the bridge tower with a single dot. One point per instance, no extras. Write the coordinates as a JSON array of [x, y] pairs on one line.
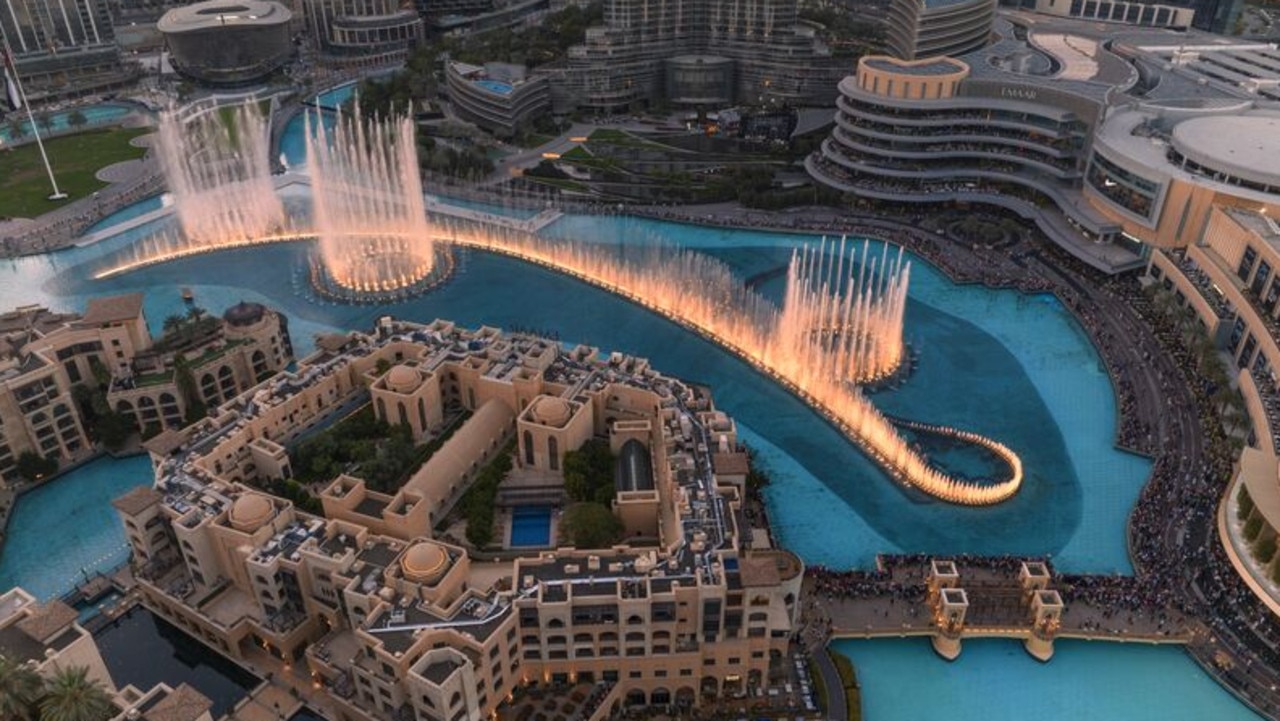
[[1032, 576], [949, 604], [1046, 619]]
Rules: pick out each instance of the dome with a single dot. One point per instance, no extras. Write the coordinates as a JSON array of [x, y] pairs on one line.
[[250, 511], [242, 314], [549, 411], [402, 379], [424, 562]]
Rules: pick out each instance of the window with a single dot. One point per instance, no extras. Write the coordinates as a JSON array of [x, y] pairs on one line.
[[553, 451]]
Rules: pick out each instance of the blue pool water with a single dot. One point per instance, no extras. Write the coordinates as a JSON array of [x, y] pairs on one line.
[[494, 86], [142, 649], [996, 680], [93, 114], [530, 526], [67, 527]]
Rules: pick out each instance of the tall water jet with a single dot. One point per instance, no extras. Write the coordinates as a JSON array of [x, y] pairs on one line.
[[846, 324], [218, 168], [368, 209]]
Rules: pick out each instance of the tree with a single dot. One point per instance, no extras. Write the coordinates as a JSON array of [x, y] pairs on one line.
[[33, 466], [20, 688], [173, 324], [186, 382], [590, 525], [588, 472], [77, 119], [112, 430], [45, 121], [17, 129], [70, 695]]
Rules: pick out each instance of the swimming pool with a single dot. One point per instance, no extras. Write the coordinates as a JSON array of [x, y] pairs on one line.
[[530, 526], [93, 115], [67, 528], [494, 86], [143, 649]]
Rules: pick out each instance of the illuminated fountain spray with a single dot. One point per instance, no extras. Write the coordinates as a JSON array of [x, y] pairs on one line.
[[368, 212], [218, 170], [847, 322], [840, 326]]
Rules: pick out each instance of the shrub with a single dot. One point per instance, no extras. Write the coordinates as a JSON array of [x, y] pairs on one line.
[[1252, 528]]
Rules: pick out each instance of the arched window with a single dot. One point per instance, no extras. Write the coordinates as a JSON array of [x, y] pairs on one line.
[[553, 450], [528, 448], [382, 409], [422, 413], [404, 416]]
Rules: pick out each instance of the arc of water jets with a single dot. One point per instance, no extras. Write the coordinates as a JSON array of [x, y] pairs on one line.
[[839, 326]]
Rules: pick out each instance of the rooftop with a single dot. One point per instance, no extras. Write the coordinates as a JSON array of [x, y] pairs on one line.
[[184, 703], [222, 13], [1244, 146], [112, 309]]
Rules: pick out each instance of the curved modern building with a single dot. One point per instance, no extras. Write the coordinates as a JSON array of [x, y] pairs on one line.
[[934, 28], [228, 42], [498, 97], [928, 131], [1157, 170]]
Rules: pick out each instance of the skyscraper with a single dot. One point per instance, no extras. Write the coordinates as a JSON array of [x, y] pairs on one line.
[[61, 46], [701, 52]]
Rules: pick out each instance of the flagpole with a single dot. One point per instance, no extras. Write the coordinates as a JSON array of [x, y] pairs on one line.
[[11, 65]]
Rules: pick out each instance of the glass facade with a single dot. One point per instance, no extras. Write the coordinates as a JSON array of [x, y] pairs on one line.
[[1126, 189]]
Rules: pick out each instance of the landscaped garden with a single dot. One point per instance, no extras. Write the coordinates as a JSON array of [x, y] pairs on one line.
[[76, 159]]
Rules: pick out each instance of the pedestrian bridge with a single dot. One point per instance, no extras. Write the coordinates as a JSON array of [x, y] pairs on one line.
[[948, 603]]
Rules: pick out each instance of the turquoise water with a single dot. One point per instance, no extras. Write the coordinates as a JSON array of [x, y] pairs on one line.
[[1014, 367], [1000, 363], [142, 207], [996, 680], [68, 525], [94, 115]]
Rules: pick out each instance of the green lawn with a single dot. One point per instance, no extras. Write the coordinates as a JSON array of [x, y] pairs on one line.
[[24, 186]]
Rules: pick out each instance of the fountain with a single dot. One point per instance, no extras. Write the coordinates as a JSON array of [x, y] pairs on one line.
[[840, 325], [217, 165], [368, 211]]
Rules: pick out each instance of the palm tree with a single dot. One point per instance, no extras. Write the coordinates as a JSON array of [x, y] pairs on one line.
[[17, 129], [76, 119], [173, 323], [70, 695], [20, 688], [45, 121]]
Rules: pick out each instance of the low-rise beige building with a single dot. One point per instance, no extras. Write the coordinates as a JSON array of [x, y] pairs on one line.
[[397, 623]]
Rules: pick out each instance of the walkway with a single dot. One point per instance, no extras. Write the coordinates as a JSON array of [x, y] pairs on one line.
[[837, 708]]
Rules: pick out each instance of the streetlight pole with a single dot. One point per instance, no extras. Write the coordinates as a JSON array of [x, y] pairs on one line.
[[12, 66]]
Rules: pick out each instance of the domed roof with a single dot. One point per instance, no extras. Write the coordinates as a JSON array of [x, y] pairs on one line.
[[424, 561], [242, 313], [250, 511], [402, 379], [550, 411]]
